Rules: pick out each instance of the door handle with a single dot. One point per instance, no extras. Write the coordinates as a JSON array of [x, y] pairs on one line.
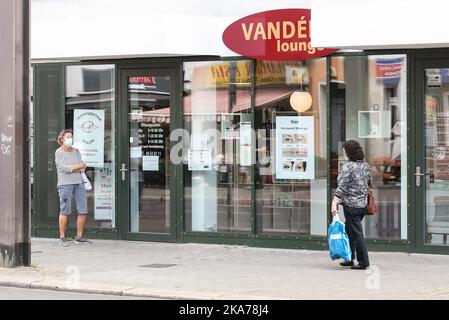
[[418, 176], [123, 171]]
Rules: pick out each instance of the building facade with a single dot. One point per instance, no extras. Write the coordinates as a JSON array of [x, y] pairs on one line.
[[203, 145]]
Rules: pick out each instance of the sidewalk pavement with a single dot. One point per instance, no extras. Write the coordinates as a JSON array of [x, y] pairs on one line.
[[207, 271]]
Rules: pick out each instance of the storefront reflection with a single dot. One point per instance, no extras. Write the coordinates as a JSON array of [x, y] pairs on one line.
[[436, 130], [149, 155], [217, 166], [90, 94], [291, 149], [368, 104]]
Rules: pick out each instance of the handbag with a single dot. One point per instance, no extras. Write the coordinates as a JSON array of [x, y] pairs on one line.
[[372, 209], [86, 182]]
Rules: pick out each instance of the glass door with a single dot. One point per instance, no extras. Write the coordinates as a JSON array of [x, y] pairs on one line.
[[432, 156], [146, 169]]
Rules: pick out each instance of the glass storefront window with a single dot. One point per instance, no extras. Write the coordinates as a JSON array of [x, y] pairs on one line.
[[291, 175], [90, 112], [368, 104], [217, 159], [436, 144], [282, 141], [46, 123], [149, 157]]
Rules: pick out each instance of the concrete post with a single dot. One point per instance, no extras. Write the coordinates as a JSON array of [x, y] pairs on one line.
[[15, 217]]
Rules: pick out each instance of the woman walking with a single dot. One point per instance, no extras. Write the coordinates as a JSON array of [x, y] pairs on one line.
[[69, 166], [352, 193]]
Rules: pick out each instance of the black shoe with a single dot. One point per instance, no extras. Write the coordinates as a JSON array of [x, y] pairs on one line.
[[347, 263], [359, 267], [82, 240]]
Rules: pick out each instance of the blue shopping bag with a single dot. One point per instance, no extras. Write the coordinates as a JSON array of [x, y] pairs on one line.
[[338, 240]]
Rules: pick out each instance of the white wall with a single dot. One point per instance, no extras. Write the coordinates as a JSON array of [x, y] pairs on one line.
[[367, 24], [100, 28]]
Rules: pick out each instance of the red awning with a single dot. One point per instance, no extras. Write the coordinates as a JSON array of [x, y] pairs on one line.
[[217, 101], [210, 104], [152, 116]]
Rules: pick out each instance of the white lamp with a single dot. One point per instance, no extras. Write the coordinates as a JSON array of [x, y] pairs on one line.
[[301, 101]]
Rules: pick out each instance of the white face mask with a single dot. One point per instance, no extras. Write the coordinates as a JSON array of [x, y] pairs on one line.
[[68, 142]]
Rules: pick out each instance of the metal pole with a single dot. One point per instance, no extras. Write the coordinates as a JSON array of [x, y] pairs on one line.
[[15, 217]]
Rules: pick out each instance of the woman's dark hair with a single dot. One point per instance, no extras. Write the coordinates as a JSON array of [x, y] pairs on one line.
[[353, 150]]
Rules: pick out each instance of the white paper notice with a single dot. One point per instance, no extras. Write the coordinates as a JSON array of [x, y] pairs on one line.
[[245, 155], [245, 144], [150, 163], [200, 159], [295, 150], [103, 193], [245, 133], [135, 152]]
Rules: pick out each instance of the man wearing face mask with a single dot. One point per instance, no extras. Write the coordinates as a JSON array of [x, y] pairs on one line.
[[69, 165]]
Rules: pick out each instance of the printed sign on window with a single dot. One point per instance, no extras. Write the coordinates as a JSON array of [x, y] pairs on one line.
[[295, 150], [88, 136], [103, 193]]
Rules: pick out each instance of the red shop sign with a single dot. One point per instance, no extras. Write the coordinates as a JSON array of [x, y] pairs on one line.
[[142, 80], [280, 35]]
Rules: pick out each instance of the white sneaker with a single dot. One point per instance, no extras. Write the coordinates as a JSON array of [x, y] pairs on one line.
[[63, 242]]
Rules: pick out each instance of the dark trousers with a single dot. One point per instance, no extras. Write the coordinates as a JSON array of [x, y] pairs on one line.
[[354, 229]]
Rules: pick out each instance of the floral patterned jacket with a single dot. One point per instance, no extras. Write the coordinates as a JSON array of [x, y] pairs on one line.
[[352, 183]]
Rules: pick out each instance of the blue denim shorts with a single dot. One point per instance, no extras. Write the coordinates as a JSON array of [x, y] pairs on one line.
[[65, 198]]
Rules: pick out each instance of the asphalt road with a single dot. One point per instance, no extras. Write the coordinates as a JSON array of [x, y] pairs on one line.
[[7, 293]]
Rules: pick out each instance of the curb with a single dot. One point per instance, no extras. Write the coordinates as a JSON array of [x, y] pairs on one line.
[[138, 292], [91, 288], [122, 293]]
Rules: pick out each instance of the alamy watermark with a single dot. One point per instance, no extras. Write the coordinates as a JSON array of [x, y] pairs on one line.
[[73, 277], [372, 282], [213, 140]]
